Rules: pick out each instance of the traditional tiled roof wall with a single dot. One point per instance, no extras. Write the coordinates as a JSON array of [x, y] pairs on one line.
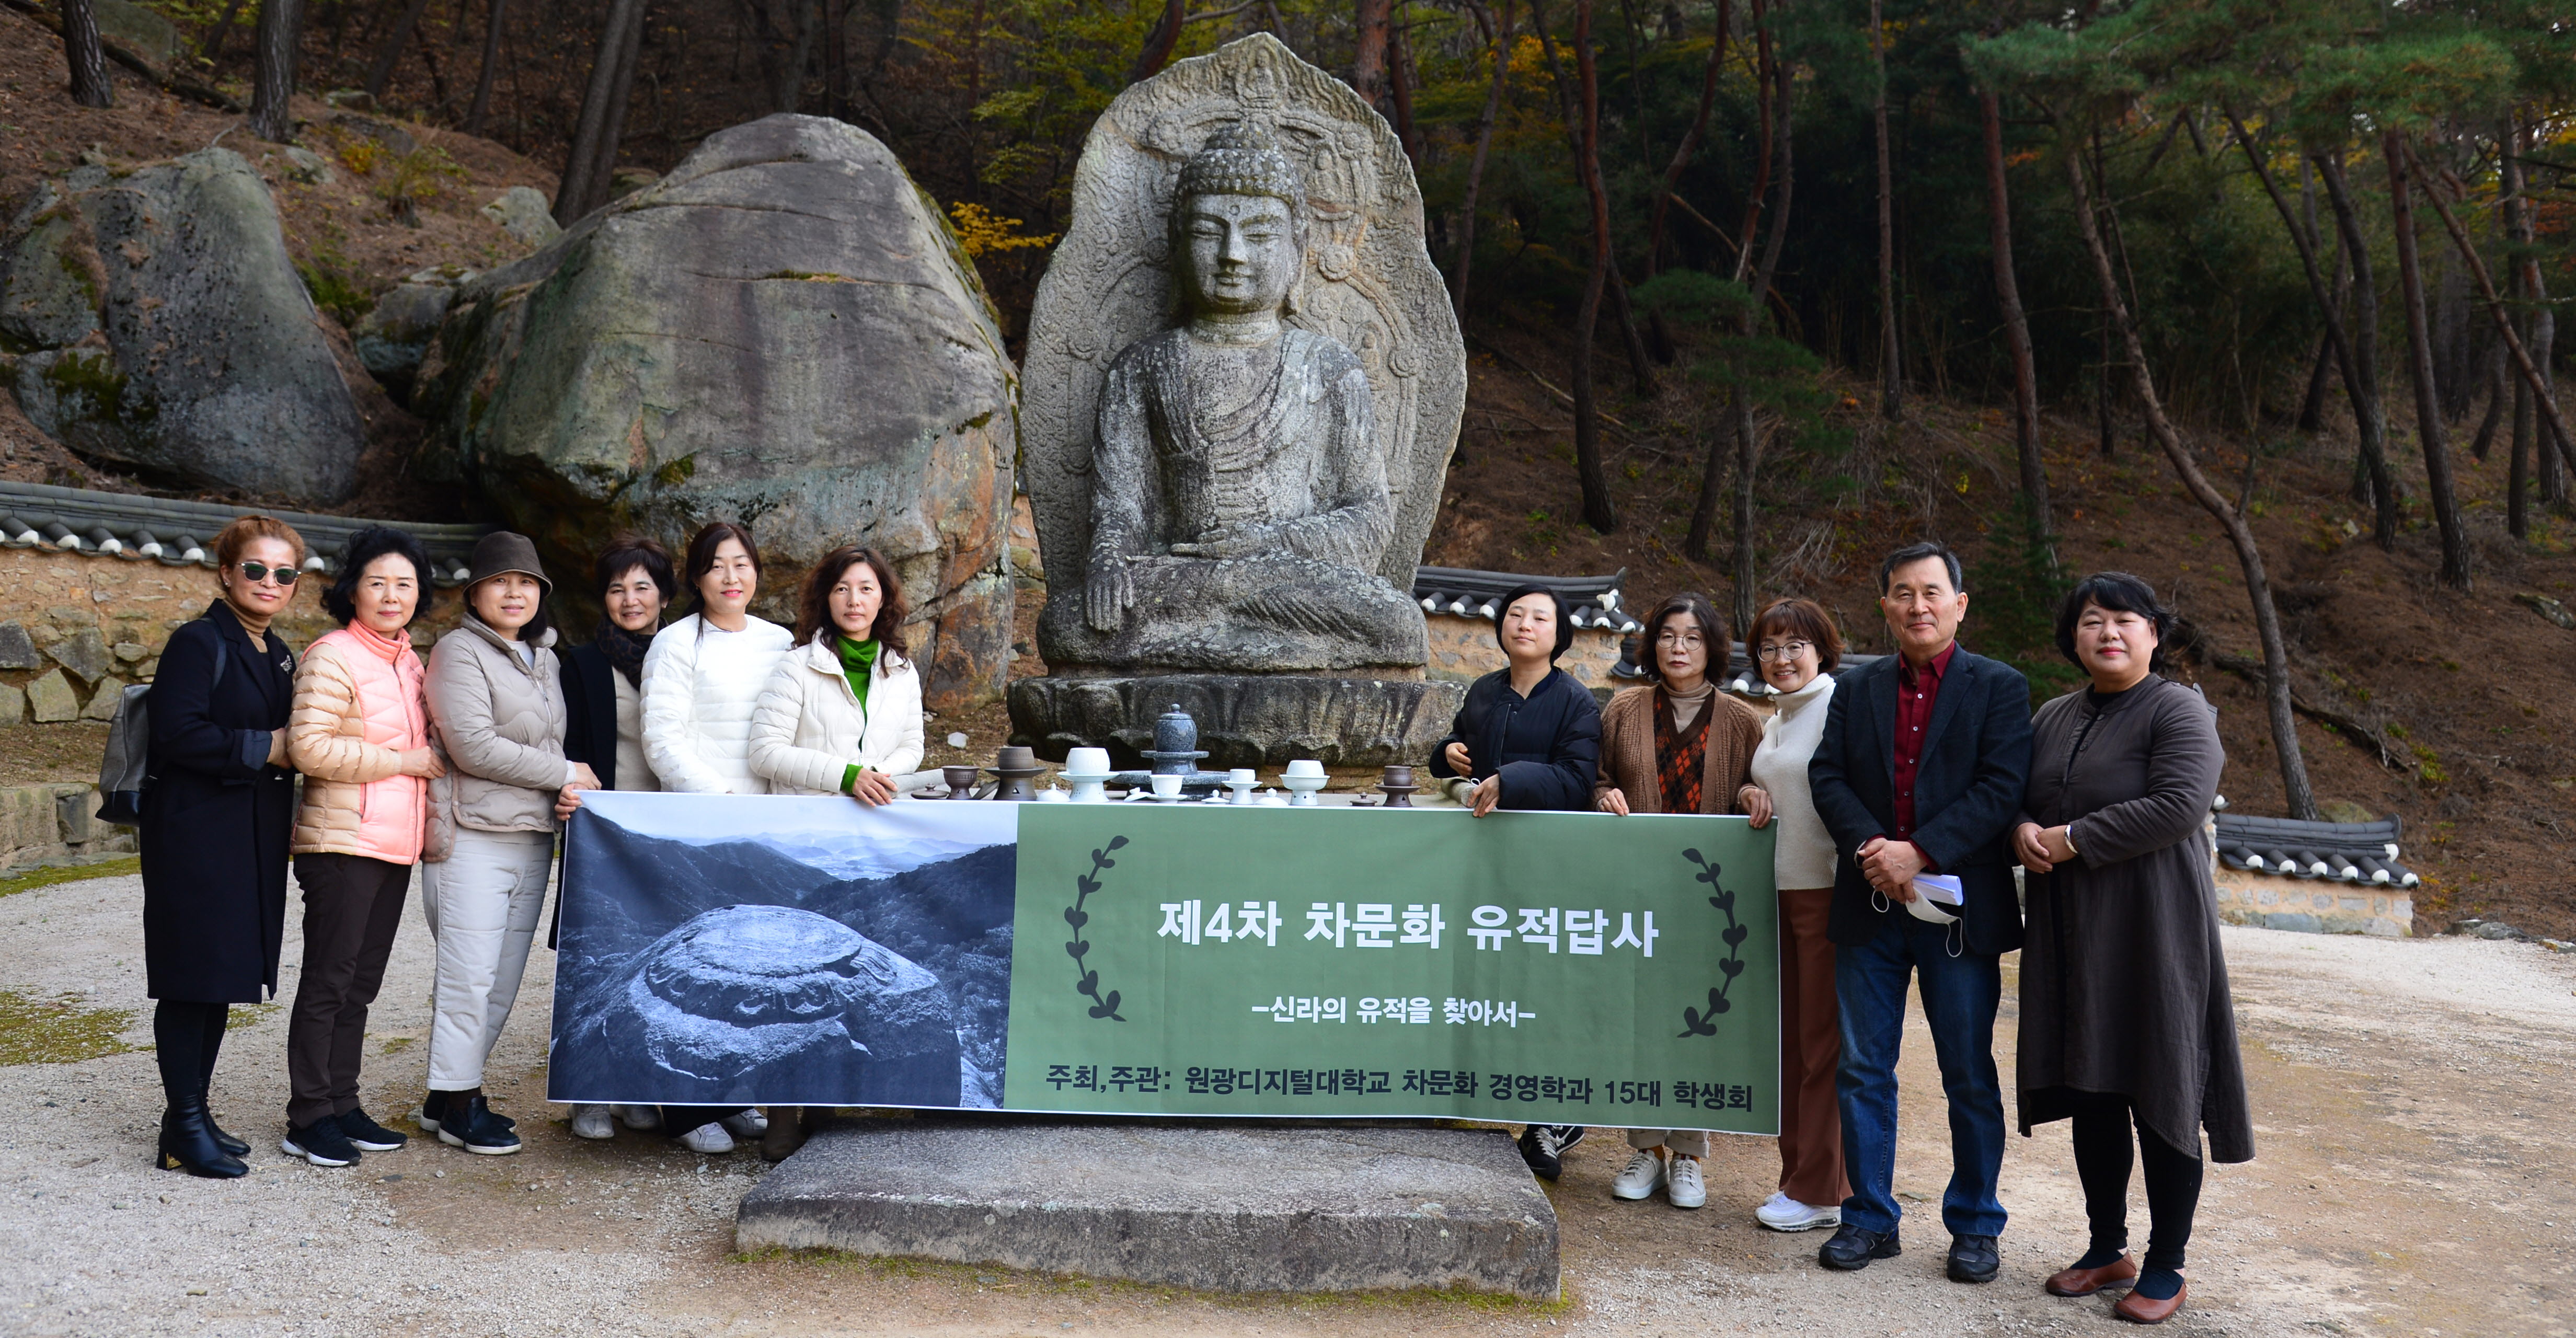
[[2347, 852], [1466, 593], [180, 534]]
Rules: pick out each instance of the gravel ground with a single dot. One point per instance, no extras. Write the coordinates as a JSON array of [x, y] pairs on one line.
[[2410, 1102]]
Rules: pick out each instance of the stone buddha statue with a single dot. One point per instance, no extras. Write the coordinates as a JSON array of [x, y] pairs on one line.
[[1239, 503]]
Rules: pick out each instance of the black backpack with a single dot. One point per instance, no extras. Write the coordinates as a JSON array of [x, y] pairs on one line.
[[121, 771]]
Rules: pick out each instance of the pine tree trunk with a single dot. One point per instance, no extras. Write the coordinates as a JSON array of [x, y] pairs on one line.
[[492, 30], [1156, 50], [2419, 367], [1399, 88], [281, 23], [2300, 798], [2034, 467], [1598, 512], [589, 167], [1498, 31], [1368, 62], [86, 55], [1891, 368], [1639, 368], [1748, 452], [1690, 141], [2532, 374], [2361, 338], [212, 48], [382, 72], [1747, 445]]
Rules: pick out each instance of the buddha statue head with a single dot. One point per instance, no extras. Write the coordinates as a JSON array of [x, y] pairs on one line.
[[1238, 225]]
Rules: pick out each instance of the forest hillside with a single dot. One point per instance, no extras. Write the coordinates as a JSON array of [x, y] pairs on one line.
[[1753, 291]]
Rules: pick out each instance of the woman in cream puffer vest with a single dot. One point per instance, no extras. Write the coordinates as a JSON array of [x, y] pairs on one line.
[[359, 731], [842, 712], [705, 672]]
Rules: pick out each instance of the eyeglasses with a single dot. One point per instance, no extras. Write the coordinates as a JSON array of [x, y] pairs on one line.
[[1678, 639], [1783, 652], [256, 572]]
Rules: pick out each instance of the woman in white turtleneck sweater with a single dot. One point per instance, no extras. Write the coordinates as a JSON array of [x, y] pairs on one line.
[[1795, 647], [705, 672]]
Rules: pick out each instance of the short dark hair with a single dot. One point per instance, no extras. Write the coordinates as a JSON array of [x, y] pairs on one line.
[[340, 598], [1803, 619], [1913, 553], [1712, 629], [1564, 624], [814, 610], [702, 554], [2119, 592], [625, 553]]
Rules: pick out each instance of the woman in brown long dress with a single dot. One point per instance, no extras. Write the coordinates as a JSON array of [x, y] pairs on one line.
[[2125, 1015], [1677, 745]]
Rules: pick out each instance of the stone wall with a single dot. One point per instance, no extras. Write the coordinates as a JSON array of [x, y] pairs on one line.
[[1463, 650], [55, 824], [2313, 906], [76, 629]]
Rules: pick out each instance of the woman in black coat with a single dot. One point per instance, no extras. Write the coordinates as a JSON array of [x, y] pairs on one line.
[[1528, 737], [217, 803]]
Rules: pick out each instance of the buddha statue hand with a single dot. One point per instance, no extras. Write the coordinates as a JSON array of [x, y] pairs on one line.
[[1108, 593], [1226, 541]]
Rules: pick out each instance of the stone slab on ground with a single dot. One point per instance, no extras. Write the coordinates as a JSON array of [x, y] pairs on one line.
[[1232, 1209], [1244, 720]]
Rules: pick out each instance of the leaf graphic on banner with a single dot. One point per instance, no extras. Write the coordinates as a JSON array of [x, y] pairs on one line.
[[1084, 885], [1695, 1022]]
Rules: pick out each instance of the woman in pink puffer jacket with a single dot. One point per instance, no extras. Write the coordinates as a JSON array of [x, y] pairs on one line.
[[359, 731]]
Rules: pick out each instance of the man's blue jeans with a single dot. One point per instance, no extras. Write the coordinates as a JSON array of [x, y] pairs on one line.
[[1959, 997]]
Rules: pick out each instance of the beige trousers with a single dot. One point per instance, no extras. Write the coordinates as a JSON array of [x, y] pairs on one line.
[[1688, 1142], [482, 902]]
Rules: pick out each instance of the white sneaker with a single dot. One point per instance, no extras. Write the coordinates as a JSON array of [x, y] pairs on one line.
[[1782, 1213], [644, 1118], [709, 1139], [590, 1121], [1643, 1175], [1683, 1185], [746, 1123]]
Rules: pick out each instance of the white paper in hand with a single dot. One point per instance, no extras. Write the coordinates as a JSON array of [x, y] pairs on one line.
[[1932, 891]]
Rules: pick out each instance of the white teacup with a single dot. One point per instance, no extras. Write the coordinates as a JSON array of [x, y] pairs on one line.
[[1087, 761], [1304, 767], [1167, 786]]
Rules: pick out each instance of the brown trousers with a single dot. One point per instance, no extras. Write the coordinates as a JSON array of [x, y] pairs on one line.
[[352, 906], [1811, 1125]]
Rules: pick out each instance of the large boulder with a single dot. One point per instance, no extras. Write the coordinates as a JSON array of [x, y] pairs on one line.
[[168, 332], [781, 332]]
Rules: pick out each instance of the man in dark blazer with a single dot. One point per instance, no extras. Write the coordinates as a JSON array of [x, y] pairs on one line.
[[1921, 769]]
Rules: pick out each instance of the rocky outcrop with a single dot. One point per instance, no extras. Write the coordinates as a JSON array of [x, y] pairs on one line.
[[392, 337], [782, 332], [166, 331]]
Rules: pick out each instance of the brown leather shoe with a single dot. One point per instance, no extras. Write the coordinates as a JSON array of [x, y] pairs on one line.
[[2119, 1272], [2139, 1310]]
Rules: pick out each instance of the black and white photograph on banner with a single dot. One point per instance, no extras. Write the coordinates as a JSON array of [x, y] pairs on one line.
[[758, 948]]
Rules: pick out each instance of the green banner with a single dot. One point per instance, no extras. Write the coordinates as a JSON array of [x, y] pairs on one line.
[[1554, 968]]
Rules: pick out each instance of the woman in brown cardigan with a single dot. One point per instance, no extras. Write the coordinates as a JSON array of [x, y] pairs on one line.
[[1677, 746], [2125, 1014]]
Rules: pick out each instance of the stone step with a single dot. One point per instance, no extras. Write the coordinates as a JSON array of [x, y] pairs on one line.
[[1231, 1208]]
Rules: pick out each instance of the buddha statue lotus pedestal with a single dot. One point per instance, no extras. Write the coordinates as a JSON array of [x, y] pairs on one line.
[[1232, 501]]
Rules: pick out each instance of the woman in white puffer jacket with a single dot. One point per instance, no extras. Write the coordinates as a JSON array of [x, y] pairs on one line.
[[842, 711], [705, 672]]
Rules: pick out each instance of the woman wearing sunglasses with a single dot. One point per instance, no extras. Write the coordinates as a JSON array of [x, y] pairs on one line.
[[218, 801]]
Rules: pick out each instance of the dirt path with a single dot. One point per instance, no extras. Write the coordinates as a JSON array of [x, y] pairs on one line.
[[2418, 1170]]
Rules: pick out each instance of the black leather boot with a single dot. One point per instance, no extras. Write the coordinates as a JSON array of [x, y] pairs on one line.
[[233, 1147], [188, 1142]]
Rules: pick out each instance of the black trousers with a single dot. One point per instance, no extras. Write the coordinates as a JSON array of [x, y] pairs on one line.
[[352, 907], [2102, 1161], [186, 1037]]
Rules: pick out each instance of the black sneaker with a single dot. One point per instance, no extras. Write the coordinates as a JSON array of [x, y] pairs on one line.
[[320, 1143], [1854, 1248], [368, 1135], [1543, 1147], [431, 1107], [476, 1129], [1974, 1259]]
